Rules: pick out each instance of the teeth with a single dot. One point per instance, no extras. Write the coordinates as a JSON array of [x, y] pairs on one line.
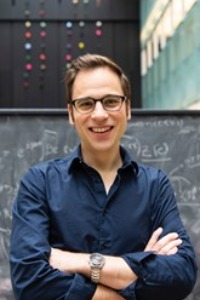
[[102, 129]]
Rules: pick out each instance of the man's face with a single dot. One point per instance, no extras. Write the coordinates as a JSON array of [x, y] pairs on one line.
[[99, 130]]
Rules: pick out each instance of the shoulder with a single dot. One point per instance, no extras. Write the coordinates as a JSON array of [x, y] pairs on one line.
[[143, 171], [149, 171], [156, 180], [152, 177], [43, 169], [59, 163]]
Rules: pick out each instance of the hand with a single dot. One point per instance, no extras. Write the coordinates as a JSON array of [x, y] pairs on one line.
[[167, 245], [105, 293]]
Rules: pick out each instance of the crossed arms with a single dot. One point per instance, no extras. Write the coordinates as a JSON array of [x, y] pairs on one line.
[[116, 274], [164, 265], [39, 271]]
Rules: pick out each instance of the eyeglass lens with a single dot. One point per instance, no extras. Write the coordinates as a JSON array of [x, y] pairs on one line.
[[110, 103]]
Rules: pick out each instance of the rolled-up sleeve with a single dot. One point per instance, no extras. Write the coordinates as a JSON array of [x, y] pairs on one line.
[[163, 276], [160, 276], [31, 274]]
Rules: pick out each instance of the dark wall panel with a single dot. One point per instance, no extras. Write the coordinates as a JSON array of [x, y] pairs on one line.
[[6, 78], [120, 41], [65, 9], [36, 96]]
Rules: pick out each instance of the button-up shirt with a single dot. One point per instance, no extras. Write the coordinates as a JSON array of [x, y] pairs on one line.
[[63, 203]]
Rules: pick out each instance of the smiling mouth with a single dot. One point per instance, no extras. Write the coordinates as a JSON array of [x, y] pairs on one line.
[[101, 129]]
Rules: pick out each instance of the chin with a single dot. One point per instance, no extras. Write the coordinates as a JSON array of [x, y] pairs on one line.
[[104, 148]]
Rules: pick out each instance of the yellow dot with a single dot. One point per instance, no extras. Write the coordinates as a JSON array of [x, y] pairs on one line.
[[81, 45]]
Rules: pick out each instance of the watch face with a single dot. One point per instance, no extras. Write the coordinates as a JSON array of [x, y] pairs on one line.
[[97, 260]]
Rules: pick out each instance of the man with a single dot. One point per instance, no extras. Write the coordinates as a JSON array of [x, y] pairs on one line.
[[97, 225]]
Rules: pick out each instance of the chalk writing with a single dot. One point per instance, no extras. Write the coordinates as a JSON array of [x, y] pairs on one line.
[[178, 123], [193, 161], [167, 142]]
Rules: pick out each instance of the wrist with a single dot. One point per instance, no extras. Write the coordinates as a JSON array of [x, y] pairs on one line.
[[80, 264], [96, 262]]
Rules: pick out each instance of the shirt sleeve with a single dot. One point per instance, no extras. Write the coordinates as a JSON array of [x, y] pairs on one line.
[[163, 276], [31, 275]]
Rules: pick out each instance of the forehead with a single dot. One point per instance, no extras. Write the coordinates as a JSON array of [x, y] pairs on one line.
[[96, 82]]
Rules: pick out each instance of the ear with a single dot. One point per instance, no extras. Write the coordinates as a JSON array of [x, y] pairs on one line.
[[128, 109], [70, 114]]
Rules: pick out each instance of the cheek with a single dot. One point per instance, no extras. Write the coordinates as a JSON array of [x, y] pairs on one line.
[[125, 113]]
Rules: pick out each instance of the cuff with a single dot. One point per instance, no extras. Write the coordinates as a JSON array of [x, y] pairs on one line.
[[129, 292], [135, 261], [81, 288]]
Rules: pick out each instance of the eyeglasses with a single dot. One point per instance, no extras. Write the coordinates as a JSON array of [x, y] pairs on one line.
[[87, 105]]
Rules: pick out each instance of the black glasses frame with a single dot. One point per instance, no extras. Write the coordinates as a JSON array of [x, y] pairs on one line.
[[122, 98]]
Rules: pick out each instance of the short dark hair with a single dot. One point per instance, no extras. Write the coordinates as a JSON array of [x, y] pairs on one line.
[[92, 61]]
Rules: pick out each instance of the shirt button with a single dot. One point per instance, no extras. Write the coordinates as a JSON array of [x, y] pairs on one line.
[[97, 180], [103, 244], [106, 210]]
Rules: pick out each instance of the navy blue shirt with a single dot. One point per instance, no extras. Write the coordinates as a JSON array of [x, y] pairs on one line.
[[62, 203]]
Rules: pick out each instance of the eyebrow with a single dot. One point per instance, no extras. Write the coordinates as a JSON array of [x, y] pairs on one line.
[[89, 97]]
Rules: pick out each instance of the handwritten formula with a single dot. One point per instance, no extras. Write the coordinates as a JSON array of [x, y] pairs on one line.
[[171, 143]]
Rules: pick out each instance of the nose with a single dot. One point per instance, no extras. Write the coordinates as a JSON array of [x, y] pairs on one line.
[[99, 111]]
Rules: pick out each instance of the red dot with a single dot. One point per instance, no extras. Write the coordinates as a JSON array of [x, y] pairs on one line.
[[28, 35], [68, 57], [26, 84], [98, 32], [42, 13], [43, 33], [29, 67], [43, 57]]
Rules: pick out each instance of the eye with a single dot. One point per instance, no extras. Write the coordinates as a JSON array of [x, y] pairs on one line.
[[84, 104], [111, 101]]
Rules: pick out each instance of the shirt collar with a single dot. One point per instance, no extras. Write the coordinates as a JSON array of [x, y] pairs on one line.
[[128, 162], [76, 159]]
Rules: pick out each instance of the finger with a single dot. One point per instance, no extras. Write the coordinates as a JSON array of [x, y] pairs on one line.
[[167, 249], [164, 241], [173, 251], [154, 239]]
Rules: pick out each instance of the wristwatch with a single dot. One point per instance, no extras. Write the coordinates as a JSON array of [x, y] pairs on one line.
[[96, 262]]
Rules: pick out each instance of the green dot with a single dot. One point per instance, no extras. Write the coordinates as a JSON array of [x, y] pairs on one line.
[[26, 75], [28, 57]]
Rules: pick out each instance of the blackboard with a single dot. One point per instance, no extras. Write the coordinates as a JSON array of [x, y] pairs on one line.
[[168, 140]]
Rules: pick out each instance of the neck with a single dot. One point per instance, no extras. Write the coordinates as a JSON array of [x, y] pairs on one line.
[[103, 161]]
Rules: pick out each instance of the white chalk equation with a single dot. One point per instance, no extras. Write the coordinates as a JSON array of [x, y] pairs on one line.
[[158, 123], [158, 152], [37, 150]]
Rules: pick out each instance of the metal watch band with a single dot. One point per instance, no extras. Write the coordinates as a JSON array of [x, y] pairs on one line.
[[95, 274]]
